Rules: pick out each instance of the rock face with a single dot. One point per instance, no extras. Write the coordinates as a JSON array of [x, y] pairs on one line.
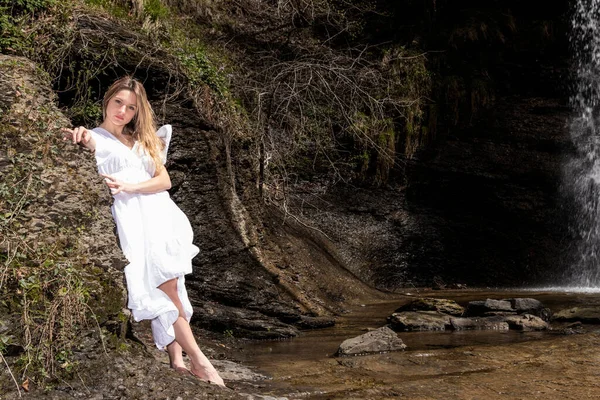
[[507, 174], [63, 211], [377, 341], [261, 286], [481, 204], [241, 323]]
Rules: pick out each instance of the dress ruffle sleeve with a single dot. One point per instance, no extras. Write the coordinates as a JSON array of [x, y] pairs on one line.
[[165, 133], [103, 150]]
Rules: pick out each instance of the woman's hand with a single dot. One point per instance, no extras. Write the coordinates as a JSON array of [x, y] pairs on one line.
[[79, 135], [117, 186], [159, 183]]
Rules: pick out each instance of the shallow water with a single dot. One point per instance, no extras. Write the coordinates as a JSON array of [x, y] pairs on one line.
[[272, 356], [450, 365]]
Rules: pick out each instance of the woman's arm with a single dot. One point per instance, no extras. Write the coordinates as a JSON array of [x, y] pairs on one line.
[[80, 135], [159, 183]]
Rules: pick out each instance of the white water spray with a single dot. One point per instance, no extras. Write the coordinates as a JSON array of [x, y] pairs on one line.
[[582, 172]]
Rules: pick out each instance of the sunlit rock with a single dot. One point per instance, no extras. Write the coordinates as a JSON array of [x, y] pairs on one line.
[[431, 304], [377, 341], [419, 321], [531, 306], [480, 308], [583, 314], [526, 322]]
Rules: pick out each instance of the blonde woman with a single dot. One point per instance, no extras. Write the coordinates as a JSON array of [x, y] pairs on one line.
[[155, 235]]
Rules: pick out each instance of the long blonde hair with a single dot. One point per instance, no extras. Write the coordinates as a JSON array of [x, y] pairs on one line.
[[142, 127]]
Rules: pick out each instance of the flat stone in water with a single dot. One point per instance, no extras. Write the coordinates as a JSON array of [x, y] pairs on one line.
[[377, 341], [432, 304], [486, 323], [583, 314], [480, 307], [526, 305], [526, 322], [419, 321]]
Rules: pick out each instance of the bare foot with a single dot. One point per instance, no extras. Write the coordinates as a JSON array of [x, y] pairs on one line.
[[182, 370], [209, 374]]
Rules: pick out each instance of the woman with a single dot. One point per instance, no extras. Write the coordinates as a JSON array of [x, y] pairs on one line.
[[155, 235]]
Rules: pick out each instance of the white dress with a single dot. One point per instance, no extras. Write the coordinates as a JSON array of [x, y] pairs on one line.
[[155, 235]]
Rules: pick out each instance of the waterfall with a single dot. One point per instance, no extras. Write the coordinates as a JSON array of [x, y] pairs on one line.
[[582, 171]]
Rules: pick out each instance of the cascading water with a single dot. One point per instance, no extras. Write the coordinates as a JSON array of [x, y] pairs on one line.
[[582, 172]]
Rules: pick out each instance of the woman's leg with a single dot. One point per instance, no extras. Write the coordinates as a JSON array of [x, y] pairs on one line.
[[201, 366], [175, 356]]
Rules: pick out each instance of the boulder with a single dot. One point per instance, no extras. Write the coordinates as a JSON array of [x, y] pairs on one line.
[[419, 321], [526, 322], [584, 314], [377, 341], [525, 305], [531, 306], [479, 308], [485, 323], [431, 304]]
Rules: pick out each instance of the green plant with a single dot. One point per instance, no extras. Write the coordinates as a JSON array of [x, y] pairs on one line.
[[115, 8], [13, 16], [17, 7], [155, 10], [196, 62]]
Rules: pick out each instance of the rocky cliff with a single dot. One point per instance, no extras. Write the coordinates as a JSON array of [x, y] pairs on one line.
[[482, 203]]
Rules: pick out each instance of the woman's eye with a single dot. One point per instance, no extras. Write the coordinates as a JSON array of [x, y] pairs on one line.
[[118, 101], [132, 108]]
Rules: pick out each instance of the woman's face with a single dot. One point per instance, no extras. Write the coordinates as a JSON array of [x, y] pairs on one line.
[[121, 108]]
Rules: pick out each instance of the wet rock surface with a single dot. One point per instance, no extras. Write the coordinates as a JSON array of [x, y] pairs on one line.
[[419, 321], [582, 314], [485, 306], [489, 314], [507, 307], [444, 306], [486, 323], [377, 341], [526, 322]]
